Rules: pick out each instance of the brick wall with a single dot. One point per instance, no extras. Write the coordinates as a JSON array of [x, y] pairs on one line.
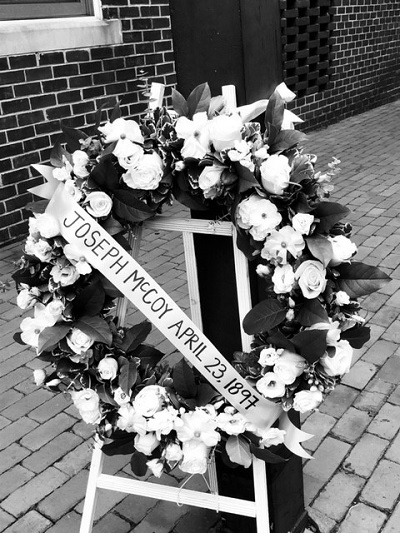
[[361, 69], [340, 56], [38, 90]]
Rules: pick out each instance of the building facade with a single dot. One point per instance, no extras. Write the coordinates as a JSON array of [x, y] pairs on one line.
[[341, 57]]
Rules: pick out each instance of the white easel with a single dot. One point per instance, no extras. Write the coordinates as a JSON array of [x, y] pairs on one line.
[[258, 508]]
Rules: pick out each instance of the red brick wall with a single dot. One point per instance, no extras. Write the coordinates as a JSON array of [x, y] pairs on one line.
[[37, 90], [340, 56], [362, 68]]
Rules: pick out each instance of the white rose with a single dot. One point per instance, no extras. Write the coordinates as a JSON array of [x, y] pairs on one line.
[[39, 376], [307, 400], [271, 436], [283, 279], [340, 362], [210, 176], [275, 174], [302, 222], [173, 452], [107, 368], [73, 191], [269, 356], [146, 443], [55, 308], [128, 154], [270, 386], [259, 215], [47, 225], [162, 422], [27, 297], [100, 204], [88, 404], [80, 159], [156, 467], [40, 249], [225, 130], [289, 366], [195, 455], [78, 341], [61, 174], [149, 400], [263, 271], [146, 174], [311, 276], [64, 275], [342, 298], [343, 249]]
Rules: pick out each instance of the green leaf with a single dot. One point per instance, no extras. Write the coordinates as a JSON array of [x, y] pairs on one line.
[[311, 344], [265, 316], [148, 355], [128, 374], [97, 328], [329, 213], [188, 200], [286, 139], [105, 174], [238, 450], [51, 336], [128, 207], [184, 382], [90, 301], [320, 248], [112, 226], [275, 110], [109, 288], [246, 177], [135, 336], [179, 103], [311, 312], [266, 455], [205, 394], [116, 112], [199, 99], [105, 394], [56, 155], [38, 207], [123, 446], [72, 137], [356, 336], [139, 464], [66, 366], [279, 340], [359, 279]]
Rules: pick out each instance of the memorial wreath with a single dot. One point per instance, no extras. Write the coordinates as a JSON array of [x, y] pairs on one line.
[[210, 157]]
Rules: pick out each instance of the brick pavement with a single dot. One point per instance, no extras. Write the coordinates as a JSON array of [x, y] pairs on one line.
[[353, 483]]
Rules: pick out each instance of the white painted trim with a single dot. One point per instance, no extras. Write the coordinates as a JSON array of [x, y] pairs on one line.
[[44, 35]]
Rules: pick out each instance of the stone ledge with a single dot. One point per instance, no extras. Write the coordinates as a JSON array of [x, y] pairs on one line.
[[44, 35]]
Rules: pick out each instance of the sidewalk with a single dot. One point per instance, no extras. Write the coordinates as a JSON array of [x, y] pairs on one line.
[[353, 483]]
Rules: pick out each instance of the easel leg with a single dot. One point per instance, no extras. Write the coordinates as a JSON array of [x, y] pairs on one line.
[[89, 506], [261, 495]]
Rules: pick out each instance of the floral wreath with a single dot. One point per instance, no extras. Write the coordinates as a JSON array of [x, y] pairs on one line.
[[206, 157]]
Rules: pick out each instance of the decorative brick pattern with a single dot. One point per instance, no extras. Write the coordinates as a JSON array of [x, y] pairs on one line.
[[352, 50], [39, 90]]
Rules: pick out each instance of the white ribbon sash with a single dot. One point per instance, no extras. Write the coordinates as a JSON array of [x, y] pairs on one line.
[[109, 258]]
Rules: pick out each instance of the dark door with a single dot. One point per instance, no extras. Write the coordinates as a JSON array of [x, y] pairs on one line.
[[227, 42]]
